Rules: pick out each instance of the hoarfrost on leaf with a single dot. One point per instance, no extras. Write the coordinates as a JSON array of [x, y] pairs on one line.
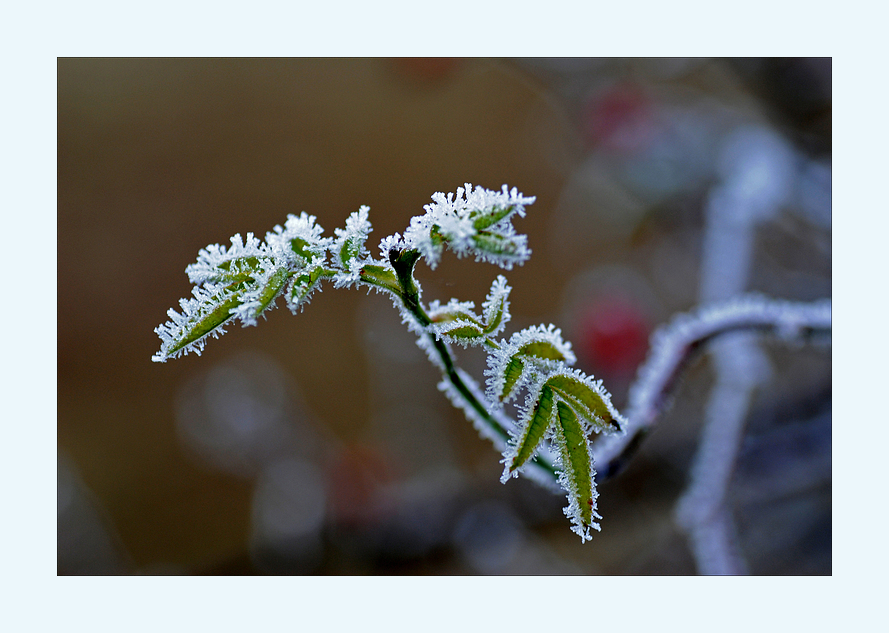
[[349, 249], [300, 237], [473, 222], [524, 356], [457, 322]]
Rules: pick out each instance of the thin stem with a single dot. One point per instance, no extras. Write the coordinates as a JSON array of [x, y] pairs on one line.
[[404, 262]]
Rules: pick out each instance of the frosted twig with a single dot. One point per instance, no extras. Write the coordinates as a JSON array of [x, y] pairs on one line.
[[674, 346]]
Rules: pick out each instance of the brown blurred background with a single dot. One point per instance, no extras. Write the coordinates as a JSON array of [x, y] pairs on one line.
[[318, 443]]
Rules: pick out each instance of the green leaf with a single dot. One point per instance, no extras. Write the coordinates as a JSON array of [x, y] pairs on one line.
[[204, 325], [468, 332], [511, 376], [235, 270], [542, 349], [381, 277], [303, 248], [577, 461], [272, 289], [540, 419], [495, 316], [304, 284], [495, 244], [589, 403], [350, 249], [491, 218], [457, 315]]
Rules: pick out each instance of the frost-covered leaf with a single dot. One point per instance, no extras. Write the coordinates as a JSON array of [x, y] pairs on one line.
[[555, 411], [259, 295], [349, 243], [526, 354], [563, 406], [234, 271], [472, 222], [200, 318], [484, 219], [381, 277], [535, 422], [299, 240], [577, 476], [512, 376], [503, 250], [587, 396], [238, 262], [299, 293], [495, 309], [463, 332], [456, 322]]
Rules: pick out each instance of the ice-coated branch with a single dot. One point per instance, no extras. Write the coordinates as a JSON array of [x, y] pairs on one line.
[[675, 345]]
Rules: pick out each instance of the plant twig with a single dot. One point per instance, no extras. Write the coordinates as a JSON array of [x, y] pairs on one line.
[[676, 345], [461, 389]]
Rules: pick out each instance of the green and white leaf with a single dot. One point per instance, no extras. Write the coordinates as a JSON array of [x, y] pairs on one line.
[[349, 251], [456, 322], [517, 362], [260, 293], [217, 264], [299, 241], [380, 276], [303, 284], [565, 407], [589, 399], [577, 475], [534, 423], [475, 221], [201, 317], [495, 309]]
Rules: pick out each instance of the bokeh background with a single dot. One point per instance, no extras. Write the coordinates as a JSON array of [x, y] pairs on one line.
[[318, 443]]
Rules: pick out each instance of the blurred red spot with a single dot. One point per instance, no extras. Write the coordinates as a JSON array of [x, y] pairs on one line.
[[357, 479], [613, 336], [426, 69], [619, 120]]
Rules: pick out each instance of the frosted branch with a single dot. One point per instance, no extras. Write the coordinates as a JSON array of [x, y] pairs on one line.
[[563, 407], [675, 345]]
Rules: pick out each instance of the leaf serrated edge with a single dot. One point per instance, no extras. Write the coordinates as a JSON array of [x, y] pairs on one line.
[[592, 401], [577, 476]]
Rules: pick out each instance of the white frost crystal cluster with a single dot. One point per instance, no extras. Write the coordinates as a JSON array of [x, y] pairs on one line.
[[474, 222], [243, 281], [562, 407]]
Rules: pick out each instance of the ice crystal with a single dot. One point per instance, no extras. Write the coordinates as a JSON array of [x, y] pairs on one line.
[[391, 243]]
